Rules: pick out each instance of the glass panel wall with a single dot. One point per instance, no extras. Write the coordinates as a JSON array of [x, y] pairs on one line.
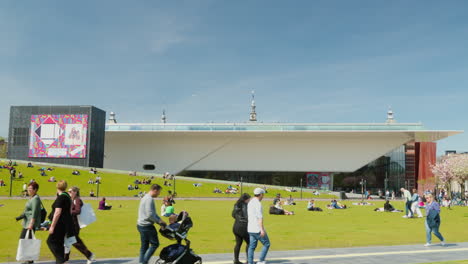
[[386, 172]]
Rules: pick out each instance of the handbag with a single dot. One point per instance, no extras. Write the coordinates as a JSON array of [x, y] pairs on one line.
[[28, 248], [87, 216]]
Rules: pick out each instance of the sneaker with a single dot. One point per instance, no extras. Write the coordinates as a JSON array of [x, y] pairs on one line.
[[91, 259], [405, 216], [442, 243], [427, 244]]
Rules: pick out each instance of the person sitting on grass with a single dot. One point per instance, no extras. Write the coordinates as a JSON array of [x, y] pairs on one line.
[[336, 205], [91, 193], [30, 165], [311, 206], [277, 209], [103, 205], [387, 208], [75, 172], [130, 187], [2, 183], [52, 179], [446, 202], [290, 201]]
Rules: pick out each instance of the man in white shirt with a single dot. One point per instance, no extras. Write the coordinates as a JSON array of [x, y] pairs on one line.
[[255, 227], [408, 202]]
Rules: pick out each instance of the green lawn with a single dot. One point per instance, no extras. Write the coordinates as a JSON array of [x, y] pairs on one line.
[[115, 234], [115, 184]]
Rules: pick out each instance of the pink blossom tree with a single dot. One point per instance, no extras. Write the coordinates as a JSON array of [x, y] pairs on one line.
[[452, 168], [460, 171], [443, 171]]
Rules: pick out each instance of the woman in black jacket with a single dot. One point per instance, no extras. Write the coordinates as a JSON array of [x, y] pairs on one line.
[[62, 224], [239, 213]]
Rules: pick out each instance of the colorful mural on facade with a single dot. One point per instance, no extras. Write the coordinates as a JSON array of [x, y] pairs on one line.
[[318, 180], [58, 136]]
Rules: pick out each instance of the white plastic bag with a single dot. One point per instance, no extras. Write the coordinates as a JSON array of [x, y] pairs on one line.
[[87, 216], [68, 243], [28, 248]]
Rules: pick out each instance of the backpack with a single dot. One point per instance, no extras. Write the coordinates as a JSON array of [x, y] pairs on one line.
[[43, 213]]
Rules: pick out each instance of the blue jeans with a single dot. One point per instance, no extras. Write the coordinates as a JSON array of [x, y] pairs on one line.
[[408, 208], [435, 230], [254, 238], [148, 235]]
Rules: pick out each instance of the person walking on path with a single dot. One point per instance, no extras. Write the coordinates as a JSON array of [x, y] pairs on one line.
[[147, 217], [77, 203], [239, 213], [255, 227], [408, 202], [32, 213], [432, 220], [61, 225]]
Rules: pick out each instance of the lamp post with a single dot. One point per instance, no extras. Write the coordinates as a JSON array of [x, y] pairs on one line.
[[97, 191], [301, 188], [362, 189], [386, 182], [11, 183], [173, 183], [241, 185]]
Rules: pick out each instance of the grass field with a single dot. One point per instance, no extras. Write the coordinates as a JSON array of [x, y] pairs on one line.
[[115, 234], [115, 184]]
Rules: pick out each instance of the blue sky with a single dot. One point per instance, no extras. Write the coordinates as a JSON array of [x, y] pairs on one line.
[[308, 61]]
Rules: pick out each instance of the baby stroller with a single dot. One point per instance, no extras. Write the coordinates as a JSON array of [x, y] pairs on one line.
[[178, 253]]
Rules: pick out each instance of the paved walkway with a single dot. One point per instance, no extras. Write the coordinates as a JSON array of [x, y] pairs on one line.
[[403, 254]]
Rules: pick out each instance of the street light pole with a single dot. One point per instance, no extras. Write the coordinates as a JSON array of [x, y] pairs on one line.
[[301, 188], [362, 189], [241, 185], [11, 183]]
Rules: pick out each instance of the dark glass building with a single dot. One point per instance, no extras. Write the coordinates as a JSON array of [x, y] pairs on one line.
[[72, 135]]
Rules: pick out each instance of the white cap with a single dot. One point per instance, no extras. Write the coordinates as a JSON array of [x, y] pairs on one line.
[[258, 191]]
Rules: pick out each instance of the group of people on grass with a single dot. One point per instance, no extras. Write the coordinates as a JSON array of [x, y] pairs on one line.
[[62, 222]]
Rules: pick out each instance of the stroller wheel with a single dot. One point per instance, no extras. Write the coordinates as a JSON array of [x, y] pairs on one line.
[[199, 260], [159, 261]]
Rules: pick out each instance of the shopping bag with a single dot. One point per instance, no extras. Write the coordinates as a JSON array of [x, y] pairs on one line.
[[28, 248], [87, 216], [69, 241]]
